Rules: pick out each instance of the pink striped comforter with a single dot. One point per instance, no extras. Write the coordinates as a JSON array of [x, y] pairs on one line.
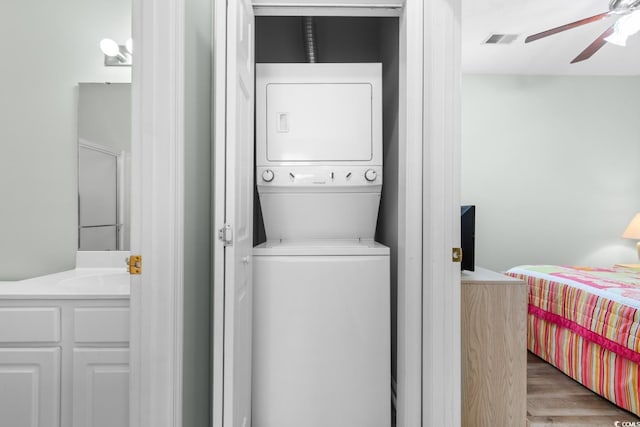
[[586, 322]]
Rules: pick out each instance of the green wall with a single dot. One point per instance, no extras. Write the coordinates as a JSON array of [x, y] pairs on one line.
[[552, 165]]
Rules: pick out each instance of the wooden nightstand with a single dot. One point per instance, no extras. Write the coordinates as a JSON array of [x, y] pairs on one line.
[[494, 350], [631, 266]]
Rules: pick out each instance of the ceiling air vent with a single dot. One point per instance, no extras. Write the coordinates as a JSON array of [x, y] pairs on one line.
[[500, 39]]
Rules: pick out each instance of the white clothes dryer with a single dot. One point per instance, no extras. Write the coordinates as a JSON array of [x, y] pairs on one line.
[[319, 149], [321, 335]]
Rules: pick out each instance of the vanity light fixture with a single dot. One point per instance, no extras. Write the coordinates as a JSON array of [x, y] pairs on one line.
[[116, 55], [633, 231]]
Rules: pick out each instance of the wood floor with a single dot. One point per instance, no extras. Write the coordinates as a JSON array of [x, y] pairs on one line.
[[554, 399]]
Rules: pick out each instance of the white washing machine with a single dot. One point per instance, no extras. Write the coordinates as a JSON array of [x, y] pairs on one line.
[[321, 320], [321, 335]]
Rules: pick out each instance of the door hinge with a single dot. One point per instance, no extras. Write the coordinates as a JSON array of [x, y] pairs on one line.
[[134, 264], [456, 254], [225, 234]]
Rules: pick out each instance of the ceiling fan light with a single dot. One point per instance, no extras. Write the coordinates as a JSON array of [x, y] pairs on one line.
[[629, 24], [617, 39]]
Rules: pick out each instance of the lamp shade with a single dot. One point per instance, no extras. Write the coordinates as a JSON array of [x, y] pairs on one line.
[[633, 229]]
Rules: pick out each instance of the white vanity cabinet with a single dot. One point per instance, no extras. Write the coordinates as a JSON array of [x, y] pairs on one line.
[[30, 387], [101, 387], [64, 362]]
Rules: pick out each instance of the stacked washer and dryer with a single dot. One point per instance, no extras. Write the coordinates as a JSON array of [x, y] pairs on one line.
[[321, 320]]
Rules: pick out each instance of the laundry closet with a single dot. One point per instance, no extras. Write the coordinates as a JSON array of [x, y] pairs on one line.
[[288, 202], [321, 283]]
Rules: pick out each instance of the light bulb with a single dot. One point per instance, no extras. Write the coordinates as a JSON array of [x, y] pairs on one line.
[[109, 47], [129, 45]]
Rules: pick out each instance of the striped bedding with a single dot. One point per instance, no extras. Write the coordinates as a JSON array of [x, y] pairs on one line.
[[586, 322]]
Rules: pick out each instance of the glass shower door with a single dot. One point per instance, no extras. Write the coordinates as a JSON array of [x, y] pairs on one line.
[[97, 199]]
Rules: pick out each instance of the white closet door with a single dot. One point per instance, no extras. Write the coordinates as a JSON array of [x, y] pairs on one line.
[[239, 214]]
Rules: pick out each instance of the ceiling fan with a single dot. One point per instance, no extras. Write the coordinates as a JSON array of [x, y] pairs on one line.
[[627, 23]]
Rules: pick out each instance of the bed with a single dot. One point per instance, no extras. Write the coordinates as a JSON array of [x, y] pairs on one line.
[[586, 322]]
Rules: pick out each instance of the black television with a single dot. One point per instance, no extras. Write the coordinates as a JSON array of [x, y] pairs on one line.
[[468, 236]]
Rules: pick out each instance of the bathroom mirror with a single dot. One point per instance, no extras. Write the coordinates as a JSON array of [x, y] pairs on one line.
[[52, 46], [104, 141]]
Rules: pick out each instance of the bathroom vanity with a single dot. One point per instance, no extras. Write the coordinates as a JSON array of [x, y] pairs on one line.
[[64, 350]]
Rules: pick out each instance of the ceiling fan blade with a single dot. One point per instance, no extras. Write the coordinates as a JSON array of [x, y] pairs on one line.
[[593, 47], [566, 27]]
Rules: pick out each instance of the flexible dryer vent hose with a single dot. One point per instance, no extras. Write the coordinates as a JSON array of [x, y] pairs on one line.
[[309, 34]]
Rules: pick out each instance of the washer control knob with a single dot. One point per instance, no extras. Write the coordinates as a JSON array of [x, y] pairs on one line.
[[370, 175], [267, 175]]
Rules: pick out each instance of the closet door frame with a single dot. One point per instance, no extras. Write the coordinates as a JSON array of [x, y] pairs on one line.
[[157, 212]]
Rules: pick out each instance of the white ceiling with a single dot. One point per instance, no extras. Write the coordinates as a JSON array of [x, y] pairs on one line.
[[548, 56]]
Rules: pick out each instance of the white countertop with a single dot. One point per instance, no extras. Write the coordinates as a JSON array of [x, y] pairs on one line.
[[92, 279], [72, 284]]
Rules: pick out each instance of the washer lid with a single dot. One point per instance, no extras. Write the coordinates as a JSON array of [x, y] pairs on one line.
[[321, 247]]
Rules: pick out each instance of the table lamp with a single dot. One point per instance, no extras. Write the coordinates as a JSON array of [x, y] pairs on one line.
[[633, 231]]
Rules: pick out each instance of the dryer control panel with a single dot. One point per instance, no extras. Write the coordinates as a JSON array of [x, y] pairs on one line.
[[319, 178]]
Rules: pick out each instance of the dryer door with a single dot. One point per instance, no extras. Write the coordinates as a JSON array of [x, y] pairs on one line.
[[318, 122]]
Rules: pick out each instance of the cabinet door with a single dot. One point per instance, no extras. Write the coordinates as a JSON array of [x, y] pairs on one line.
[[101, 387], [494, 353], [30, 387]]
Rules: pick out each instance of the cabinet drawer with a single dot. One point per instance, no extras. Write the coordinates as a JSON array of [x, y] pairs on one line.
[[29, 324], [101, 325]]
